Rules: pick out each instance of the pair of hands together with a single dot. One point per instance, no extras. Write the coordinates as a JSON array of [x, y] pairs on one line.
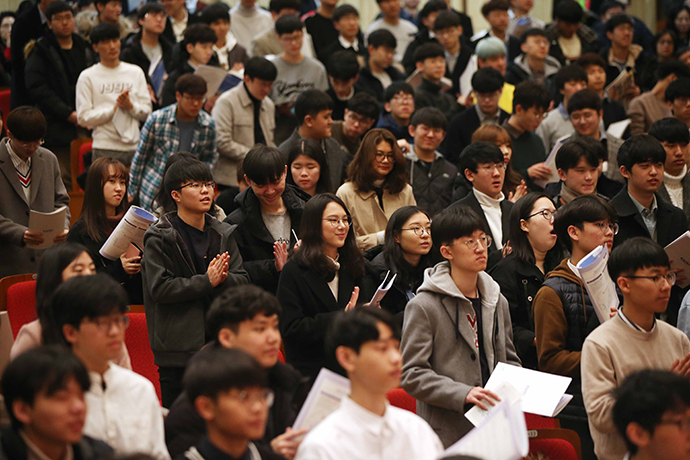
[[218, 269]]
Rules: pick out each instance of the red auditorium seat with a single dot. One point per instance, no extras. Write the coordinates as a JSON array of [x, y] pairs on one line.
[[400, 398], [5, 103], [137, 341], [21, 305]]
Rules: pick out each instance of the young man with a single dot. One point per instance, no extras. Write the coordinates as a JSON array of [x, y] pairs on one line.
[[343, 72], [648, 413], [431, 63], [269, 213], [44, 398], [178, 19], [365, 343], [198, 43], [641, 33], [534, 63], [457, 328], [112, 97], [89, 318], [674, 136], [346, 22], [530, 102], [678, 99], [642, 272], [51, 82], [379, 73], [520, 20], [448, 31], [622, 54], [568, 81], [30, 181], [398, 107], [185, 127], [190, 258], [296, 73], [360, 115], [491, 52], [425, 34], [487, 84], [595, 67], [244, 116], [402, 29], [651, 106], [245, 318], [431, 175], [562, 311], [268, 42], [227, 52], [578, 161], [313, 112], [569, 37], [319, 24], [496, 14], [109, 11], [249, 20]]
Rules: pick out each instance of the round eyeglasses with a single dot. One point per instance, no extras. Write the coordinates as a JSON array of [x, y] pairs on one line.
[[417, 230], [345, 221], [545, 213], [473, 244], [658, 280], [607, 226]]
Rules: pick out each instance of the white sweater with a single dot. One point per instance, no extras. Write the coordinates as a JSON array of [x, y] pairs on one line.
[[97, 90]]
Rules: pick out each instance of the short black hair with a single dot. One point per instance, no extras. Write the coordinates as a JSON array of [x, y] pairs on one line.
[[27, 124], [644, 397], [635, 254], [568, 156], [456, 221], [215, 12], [570, 73], [382, 37], [396, 88], [103, 32], [432, 6], [680, 87], [618, 20], [288, 24], [428, 51], [57, 8], [494, 5], [533, 32], [478, 153], [675, 67], [215, 370], [590, 59], [530, 94], [239, 304], [343, 65], [364, 104], [191, 84], [670, 130], [352, 329], [430, 117], [487, 80], [608, 4], [585, 208], [199, 33], [640, 149], [46, 369], [261, 68], [311, 102], [343, 10], [568, 11], [276, 6], [186, 170], [585, 99], [150, 7], [105, 2], [447, 19], [263, 164]]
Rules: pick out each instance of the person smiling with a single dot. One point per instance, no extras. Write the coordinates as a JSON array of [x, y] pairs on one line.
[[578, 168]]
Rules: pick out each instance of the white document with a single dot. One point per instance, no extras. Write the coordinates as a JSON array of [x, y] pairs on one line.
[[213, 76], [601, 289], [323, 399], [383, 288], [502, 436], [505, 391], [679, 251], [131, 229], [551, 163], [51, 224], [618, 128]]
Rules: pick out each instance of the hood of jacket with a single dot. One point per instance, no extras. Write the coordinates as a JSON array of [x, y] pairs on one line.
[[563, 271], [437, 280], [551, 65]]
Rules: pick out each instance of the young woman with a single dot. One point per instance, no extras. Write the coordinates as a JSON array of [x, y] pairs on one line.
[[104, 207], [308, 168], [665, 43], [59, 263], [321, 279], [405, 253], [680, 24], [376, 187], [521, 274]]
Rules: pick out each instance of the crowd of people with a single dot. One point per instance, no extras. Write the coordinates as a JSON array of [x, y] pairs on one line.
[[479, 169]]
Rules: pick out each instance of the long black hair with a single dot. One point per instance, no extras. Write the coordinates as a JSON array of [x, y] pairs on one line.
[[393, 253], [522, 248], [311, 149]]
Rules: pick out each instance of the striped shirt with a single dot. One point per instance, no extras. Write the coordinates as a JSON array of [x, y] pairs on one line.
[[23, 169]]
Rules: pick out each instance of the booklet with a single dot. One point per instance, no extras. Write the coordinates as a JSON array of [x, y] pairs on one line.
[[323, 399], [383, 288], [51, 224], [679, 251], [620, 86], [131, 229], [551, 163], [601, 289], [618, 128], [218, 80]]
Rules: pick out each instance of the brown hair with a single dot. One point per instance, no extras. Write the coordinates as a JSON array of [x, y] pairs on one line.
[[362, 174], [93, 213], [497, 135]]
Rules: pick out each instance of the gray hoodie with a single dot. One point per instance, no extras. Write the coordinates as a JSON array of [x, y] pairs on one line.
[[440, 351]]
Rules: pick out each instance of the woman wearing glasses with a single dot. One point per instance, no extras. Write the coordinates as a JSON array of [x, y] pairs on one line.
[[321, 279], [405, 254], [521, 274], [376, 187]]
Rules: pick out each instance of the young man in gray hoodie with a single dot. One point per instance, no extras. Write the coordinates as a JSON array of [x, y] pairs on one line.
[[457, 328]]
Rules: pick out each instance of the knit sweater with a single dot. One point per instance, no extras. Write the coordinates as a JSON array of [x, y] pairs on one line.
[[674, 187], [644, 110], [605, 364]]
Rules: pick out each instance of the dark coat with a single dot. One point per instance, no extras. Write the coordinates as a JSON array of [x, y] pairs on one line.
[[253, 239], [612, 71], [169, 34], [460, 131], [588, 39], [663, 193], [336, 46], [168, 94], [27, 27], [369, 83], [386, 121], [433, 189], [13, 447], [429, 94], [133, 53], [455, 73], [421, 38], [235, 55]]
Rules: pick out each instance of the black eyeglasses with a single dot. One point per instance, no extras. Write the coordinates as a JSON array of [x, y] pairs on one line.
[[545, 213], [657, 279], [196, 186]]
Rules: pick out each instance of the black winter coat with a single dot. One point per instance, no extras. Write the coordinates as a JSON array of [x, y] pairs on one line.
[[13, 447], [133, 53], [433, 189]]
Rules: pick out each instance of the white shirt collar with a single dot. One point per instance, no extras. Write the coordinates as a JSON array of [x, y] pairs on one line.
[[18, 162], [486, 200], [366, 419], [346, 44]]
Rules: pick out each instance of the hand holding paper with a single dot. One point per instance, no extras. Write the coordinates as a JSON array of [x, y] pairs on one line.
[[479, 394], [46, 228]]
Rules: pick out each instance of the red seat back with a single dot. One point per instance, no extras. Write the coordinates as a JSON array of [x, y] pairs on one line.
[[5, 103], [137, 341], [537, 422], [21, 305], [400, 398], [83, 150], [553, 448]]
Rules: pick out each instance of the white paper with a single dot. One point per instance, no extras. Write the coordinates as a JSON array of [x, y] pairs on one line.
[[51, 224], [131, 229], [618, 128], [323, 399], [505, 391], [551, 163], [679, 251], [601, 289], [383, 288], [213, 76], [502, 436]]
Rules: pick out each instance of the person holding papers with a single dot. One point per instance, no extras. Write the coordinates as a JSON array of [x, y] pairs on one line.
[[641, 269], [365, 427], [30, 181], [456, 329], [562, 310]]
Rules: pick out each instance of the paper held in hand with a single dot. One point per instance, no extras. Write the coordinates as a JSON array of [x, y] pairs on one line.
[[218, 80], [601, 289], [131, 229], [540, 393], [551, 163], [323, 399], [679, 252], [50, 224], [383, 288]]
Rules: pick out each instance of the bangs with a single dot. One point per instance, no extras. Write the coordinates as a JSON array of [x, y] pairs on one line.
[[116, 170]]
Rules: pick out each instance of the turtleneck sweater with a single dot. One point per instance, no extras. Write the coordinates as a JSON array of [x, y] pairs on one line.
[[674, 187]]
